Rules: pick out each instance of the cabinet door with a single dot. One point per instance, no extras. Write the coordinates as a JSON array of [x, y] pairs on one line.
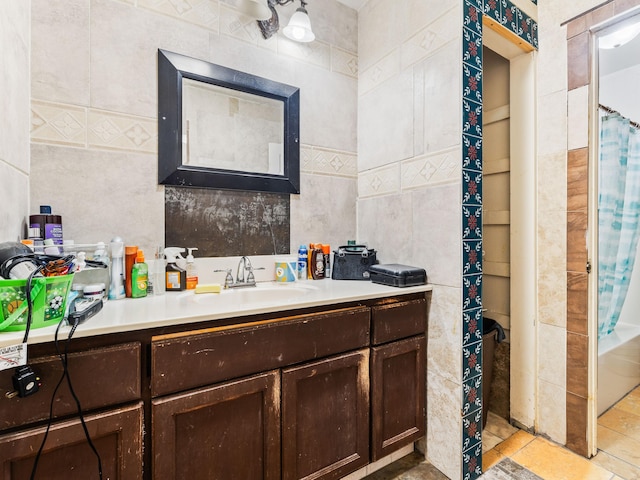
[[228, 431], [116, 434], [398, 380], [325, 417]]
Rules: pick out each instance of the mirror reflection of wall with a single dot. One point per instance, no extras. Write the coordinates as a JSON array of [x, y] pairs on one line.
[[215, 125]]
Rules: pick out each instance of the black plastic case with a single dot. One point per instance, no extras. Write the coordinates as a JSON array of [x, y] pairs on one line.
[[397, 275]]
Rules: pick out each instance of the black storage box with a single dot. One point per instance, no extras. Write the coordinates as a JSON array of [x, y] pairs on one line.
[[352, 262], [397, 275]]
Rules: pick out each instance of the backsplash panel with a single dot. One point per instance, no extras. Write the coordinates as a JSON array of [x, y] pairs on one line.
[[226, 223]]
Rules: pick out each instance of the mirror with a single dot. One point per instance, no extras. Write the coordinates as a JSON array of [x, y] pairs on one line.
[[225, 129]]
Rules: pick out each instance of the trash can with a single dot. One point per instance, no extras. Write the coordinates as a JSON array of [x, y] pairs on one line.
[[492, 333]]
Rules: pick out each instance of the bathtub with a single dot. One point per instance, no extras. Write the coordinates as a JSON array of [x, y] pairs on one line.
[[618, 365]]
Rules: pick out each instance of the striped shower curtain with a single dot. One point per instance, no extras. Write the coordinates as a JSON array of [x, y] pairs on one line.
[[618, 216]]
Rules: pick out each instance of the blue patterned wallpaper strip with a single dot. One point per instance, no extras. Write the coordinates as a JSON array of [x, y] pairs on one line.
[[511, 17], [516, 21]]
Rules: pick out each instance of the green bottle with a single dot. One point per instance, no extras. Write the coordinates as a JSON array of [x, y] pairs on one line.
[[139, 276]]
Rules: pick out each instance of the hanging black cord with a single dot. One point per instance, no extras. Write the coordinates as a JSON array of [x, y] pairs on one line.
[[65, 373], [29, 303], [53, 397]]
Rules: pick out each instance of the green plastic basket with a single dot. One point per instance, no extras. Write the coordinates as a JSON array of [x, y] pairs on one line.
[[49, 298]]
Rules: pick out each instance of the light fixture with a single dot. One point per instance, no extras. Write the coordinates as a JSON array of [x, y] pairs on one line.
[[298, 29], [255, 8], [620, 36]]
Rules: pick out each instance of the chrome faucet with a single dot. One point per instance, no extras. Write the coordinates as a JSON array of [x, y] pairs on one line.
[[244, 275], [250, 281]]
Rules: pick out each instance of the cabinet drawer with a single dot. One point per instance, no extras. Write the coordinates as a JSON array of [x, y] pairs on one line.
[[101, 377], [116, 434], [398, 320], [193, 359]]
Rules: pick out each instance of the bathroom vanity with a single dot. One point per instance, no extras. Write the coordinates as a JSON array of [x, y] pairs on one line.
[[288, 385]]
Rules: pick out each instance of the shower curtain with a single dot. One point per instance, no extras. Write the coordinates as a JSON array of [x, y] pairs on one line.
[[618, 216]]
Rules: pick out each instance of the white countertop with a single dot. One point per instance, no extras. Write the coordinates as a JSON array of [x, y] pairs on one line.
[[176, 308]]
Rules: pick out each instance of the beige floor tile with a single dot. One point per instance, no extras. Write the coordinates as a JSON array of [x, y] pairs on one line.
[[619, 445], [631, 403], [499, 427], [489, 440], [553, 462], [617, 466], [515, 443], [490, 458], [622, 422]]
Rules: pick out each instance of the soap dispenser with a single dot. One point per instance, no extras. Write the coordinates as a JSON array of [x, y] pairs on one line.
[[192, 271], [175, 276]]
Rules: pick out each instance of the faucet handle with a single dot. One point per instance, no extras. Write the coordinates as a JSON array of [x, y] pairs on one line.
[[228, 280]]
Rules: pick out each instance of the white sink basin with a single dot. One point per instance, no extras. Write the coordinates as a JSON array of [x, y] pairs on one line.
[[263, 293]]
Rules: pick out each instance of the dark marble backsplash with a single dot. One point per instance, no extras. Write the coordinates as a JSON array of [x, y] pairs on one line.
[[224, 223]]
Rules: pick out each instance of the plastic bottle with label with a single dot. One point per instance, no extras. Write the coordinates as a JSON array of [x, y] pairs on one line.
[[316, 264], [116, 288], [302, 262], [139, 276], [192, 270], [175, 276]]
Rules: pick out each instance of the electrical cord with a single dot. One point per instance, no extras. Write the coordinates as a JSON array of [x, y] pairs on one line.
[[29, 303], [65, 373], [44, 263]]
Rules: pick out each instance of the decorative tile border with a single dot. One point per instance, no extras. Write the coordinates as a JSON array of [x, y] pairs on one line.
[[60, 124], [203, 13], [433, 169], [520, 24], [326, 161], [115, 131], [224, 19], [343, 61], [379, 181], [378, 73]]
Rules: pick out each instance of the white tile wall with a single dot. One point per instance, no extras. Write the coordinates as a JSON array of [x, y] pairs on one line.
[[100, 194], [61, 57], [14, 123], [551, 407], [578, 120], [444, 428], [95, 90]]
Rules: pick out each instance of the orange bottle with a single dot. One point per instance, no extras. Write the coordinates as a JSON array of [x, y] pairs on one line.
[[129, 259]]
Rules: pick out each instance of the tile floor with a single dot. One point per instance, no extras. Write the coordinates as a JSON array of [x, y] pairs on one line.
[[512, 454]]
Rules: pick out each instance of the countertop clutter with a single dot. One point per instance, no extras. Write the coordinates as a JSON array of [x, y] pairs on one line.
[[175, 308]]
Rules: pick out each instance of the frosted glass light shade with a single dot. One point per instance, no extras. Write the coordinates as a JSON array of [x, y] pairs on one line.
[[619, 37], [257, 9], [299, 27]]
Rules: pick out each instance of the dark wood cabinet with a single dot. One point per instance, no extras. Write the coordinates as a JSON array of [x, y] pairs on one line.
[[314, 393], [398, 391], [223, 432], [325, 417], [116, 434]]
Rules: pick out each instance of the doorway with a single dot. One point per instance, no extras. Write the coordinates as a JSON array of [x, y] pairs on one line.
[[496, 215], [518, 309]]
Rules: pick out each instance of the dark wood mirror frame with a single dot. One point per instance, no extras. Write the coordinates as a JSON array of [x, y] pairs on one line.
[[172, 68]]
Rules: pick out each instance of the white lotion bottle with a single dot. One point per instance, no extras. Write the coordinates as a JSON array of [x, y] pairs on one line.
[[116, 288]]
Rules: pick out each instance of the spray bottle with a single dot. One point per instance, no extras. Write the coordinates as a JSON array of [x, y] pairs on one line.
[[116, 288], [175, 276], [192, 271]]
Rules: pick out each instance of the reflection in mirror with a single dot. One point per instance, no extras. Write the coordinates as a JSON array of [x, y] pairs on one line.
[[215, 126], [618, 194], [225, 129]]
